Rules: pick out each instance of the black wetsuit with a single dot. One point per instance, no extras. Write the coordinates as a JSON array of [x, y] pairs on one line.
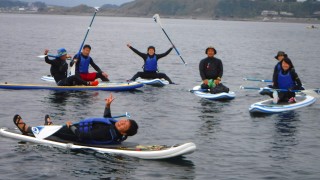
[[210, 68], [59, 71], [151, 74]]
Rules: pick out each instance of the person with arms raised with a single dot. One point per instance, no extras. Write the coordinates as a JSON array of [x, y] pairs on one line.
[[150, 66]]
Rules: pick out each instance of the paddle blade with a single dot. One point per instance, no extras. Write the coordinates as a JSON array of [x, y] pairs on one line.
[[41, 132], [156, 19]]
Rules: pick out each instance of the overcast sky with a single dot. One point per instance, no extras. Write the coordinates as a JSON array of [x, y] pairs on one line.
[[93, 3]]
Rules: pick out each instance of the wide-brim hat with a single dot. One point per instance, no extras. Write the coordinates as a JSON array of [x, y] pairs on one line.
[[280, 53], [211, 47], [61, 52]]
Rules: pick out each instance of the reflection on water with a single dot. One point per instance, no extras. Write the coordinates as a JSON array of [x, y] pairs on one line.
[[210, 116], [284, 137]]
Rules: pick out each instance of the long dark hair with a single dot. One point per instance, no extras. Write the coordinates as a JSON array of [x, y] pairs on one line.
[[288, 61]]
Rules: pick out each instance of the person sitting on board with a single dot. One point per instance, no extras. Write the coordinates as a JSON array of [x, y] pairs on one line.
[[286, 79], [150, 66], [211, 71], [59, 70], [82, 61], [104, 130]]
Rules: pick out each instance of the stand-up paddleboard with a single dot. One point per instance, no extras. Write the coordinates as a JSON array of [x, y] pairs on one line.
[[140, 151], [153, 82], [103, 87], [268, 107], [203, 93]]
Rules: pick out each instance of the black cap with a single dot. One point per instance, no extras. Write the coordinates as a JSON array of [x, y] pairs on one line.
[[281, 53]]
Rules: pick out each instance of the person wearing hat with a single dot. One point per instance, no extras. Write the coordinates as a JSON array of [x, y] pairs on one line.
[[211, 69], [82, 61], [150, 66], [104, 130], [59, 70]]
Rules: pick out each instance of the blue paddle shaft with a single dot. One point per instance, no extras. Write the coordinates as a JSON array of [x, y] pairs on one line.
[[94, 15]]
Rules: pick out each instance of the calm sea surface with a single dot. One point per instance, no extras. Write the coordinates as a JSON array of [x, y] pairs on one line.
[[232, 144]]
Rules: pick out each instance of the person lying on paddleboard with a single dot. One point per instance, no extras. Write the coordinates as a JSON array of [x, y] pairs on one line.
[[59, 70], [211, 71], [83, 60], [286, 79], [150, 66], [104, 130]]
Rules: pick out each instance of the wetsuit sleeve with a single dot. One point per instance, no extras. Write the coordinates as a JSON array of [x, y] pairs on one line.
[[275, 73], [107, 112], [221, 69], [275, 80], [52, 62], [201, 70], [296, 79], [96, 67], [143, 55], [164, 54]]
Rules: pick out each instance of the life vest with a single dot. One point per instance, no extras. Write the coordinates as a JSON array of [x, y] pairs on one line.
[[151, 64], [85, 128], [84, 64], [285, 80]]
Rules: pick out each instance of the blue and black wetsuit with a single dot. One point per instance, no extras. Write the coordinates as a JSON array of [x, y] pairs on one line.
[[150, 66], [93, 131], [59, 71], [287, 80]]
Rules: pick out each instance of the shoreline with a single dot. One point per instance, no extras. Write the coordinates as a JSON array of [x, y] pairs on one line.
[[256, 19]]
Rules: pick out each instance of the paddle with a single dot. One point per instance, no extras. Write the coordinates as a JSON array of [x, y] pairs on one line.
[[310, 92], [50, 55], [254, 79], [156, 18], [73, 69], [42, 132]]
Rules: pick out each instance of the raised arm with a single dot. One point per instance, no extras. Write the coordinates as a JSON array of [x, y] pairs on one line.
[[107, 110], [143, 55], [164, 54]]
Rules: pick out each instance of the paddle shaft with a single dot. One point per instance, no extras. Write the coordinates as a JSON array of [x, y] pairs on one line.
[[157, 20], [281, 90], [260, 80], [85, 37]]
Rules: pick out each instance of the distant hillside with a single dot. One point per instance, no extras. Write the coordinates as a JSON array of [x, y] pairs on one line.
[[189, 8]]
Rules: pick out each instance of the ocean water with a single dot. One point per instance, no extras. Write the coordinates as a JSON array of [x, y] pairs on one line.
[[231, 143]]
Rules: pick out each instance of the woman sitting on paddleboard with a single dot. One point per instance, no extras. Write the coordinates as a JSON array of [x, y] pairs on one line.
[[105, 130], [286, 79], [150, 66], [59, 70]]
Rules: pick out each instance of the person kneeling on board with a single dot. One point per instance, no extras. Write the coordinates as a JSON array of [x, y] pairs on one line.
[[150, 66], [59, 71], [286, 79], [211, 70], [104, 130]]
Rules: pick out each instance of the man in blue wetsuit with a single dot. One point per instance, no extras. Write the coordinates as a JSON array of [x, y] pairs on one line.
[[59, 70], [83, 60], [104, 130], [150, 66]]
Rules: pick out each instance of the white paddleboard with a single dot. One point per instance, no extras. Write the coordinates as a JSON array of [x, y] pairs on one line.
[[153, 82], [207, 95], [268, 107], [143, 152]]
